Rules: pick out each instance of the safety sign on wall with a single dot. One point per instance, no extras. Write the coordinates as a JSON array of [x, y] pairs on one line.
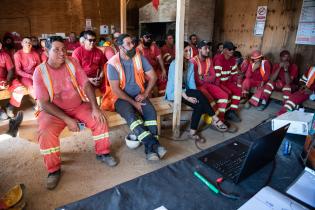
[[261, 17], [306, 30]]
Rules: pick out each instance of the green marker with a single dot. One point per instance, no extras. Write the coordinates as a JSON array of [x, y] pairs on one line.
[[206, 182]]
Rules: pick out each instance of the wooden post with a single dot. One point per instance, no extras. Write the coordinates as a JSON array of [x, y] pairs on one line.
[[180, 16], [123, 16]]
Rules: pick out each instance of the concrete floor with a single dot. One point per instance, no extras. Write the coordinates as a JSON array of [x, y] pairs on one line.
[[83, 176]]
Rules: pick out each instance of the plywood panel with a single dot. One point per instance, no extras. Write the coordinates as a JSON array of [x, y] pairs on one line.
[[235, 20]]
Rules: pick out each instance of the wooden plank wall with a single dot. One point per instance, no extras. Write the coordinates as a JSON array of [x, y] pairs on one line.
[[34, 17], [235, 20]]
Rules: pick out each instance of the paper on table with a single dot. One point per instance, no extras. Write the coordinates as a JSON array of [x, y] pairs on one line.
[[270, 199], [304, 187]]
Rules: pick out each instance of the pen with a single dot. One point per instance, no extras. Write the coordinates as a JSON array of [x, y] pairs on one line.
[[206, 182]]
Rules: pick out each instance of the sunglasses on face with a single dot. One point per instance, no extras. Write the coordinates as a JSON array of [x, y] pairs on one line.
[[147, 37], [91, 40]]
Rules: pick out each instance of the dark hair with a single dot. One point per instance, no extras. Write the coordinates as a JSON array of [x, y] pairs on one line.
[[52, 39], [81, 34], [120, 39], [218, 45], [185, 44], [192, 36], [89, 32]]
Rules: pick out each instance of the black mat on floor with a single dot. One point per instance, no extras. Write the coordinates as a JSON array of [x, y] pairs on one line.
[[175, 187]]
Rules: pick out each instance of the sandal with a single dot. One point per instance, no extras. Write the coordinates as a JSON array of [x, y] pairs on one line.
[[219, 125], [197, 138]]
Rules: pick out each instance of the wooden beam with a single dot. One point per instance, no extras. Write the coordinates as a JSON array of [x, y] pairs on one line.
[[123, 16], [180, 18]]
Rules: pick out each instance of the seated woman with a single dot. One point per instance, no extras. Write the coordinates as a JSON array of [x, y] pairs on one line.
[[191, 96]]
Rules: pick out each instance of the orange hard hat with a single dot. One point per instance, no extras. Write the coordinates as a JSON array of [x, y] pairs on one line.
[[256, 54]]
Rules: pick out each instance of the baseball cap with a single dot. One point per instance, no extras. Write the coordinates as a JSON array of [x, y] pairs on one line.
[[229, 46]]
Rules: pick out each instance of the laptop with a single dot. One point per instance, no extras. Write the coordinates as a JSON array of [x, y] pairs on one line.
[[240, 158]]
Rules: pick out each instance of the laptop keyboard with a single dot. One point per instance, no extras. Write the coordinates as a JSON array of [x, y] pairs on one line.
[[231, 167]]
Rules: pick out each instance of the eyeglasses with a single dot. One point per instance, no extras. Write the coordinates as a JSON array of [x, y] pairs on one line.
[[91, 40]]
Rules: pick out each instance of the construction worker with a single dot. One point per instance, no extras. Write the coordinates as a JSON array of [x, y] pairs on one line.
[[218, 51], [191, 96], [307, 87], [226, 68], [168, 51], [153, 54], [71, 43], [193, 41], [66, 98], [25, 61], [282, 79], [6, 77], [91, 59], [127, 93], [257, 75]]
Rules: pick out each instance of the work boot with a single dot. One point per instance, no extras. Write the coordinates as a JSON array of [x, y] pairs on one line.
[[262, 106], [108, 159], [161, 151], [232, 115], [152, 156], [9, 110], [15, 123], [3, 115], [231, 128], [247, 105], [53, 179]]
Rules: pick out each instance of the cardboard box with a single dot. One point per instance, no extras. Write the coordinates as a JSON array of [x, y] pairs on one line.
[[300, 122]]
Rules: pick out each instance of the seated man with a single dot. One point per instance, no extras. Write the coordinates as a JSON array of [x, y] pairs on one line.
[[62, 90], [25, 61], [153, 54], [7, 81], [226, 68], [257, 74], [126, 93], [91, 59], [72, 43], [307, 87], [193, 39], [168, 51], [282, 79]]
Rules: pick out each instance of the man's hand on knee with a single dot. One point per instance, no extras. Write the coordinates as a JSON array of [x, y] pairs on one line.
[[72, 125], [98, 115]]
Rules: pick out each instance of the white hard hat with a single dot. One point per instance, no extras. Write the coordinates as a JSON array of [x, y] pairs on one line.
[[132, 141]]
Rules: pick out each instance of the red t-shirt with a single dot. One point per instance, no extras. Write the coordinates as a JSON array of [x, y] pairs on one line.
[[194, 50], [293, 71], [224, 68], [151, 53], [71, 46], [208, 77], [5, 65], [25, 63], [92, 61], [65, 95], [168, 50]]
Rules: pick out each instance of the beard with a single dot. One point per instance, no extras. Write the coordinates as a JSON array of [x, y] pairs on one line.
[[147, 43]]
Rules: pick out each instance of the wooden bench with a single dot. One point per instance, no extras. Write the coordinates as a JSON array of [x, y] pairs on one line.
[[279, 96], [28, 128], [5, 94]]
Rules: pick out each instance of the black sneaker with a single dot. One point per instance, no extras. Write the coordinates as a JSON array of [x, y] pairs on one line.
[[108, 159], [232, 115], [53, 179], [15, 123]]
